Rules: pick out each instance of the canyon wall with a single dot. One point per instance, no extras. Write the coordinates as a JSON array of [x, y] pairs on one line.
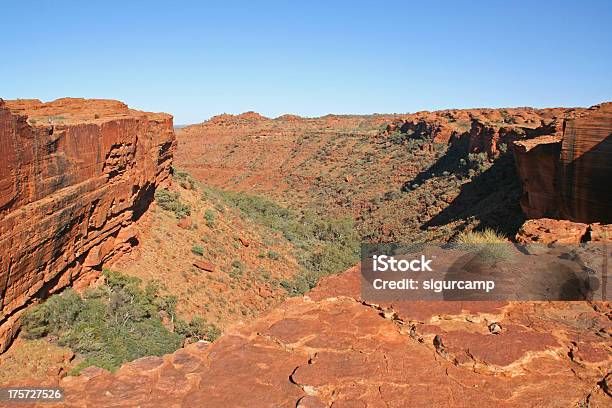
[[585, 166], [75, 175], [333, 348], [482, 130], [566, 174], [566, 179]]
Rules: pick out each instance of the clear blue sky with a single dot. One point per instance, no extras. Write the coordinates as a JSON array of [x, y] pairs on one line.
[[197, 59]]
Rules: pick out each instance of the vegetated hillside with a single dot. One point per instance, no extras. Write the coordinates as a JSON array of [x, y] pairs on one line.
[[401, 177], [229, 256]]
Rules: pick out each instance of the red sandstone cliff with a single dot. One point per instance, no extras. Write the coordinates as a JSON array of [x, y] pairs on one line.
[[482, 130], [75, 175], [585, 166], [566, 179]]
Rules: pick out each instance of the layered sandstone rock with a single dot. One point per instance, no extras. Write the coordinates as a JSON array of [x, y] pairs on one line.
[[566, 175], [548, 231], [585, 166], [566, 180], [536, 161], [551, 231], [75, 175], [482, 130], [332, 349], [382, 170]]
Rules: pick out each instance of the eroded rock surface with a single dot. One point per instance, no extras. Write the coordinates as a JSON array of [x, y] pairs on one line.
[[547, 231], [267, 152], [550, 231], [255, 153], [566, 180], [332, 349], [586, 166], [566, 175], [483, 130], [75, 175]]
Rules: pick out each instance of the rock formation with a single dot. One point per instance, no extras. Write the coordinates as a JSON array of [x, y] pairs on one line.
[[75, 175], [415, 184], [566, 179], [536, 161], [481, 130], [547, 231], [585, 166], [564, 174], [332, 349]]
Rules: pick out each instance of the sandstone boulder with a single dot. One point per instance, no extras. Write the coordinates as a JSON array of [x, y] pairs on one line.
[[546, 231], [204, 265], [185, 223]]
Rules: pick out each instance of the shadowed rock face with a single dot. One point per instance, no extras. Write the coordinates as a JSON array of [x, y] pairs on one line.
[[266, 153], [566, 180], [586, 166], [332, 349], [75, 174], [566, 175]]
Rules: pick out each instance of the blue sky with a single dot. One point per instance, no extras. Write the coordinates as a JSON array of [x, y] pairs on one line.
[[198, 59]]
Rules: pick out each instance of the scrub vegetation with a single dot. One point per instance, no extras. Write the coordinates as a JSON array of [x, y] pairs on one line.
[[116, 322]]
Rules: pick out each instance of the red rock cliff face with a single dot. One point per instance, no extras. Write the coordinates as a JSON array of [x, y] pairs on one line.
[[536, 160], [482, 130], [585, 166], [567, 174], [75, 175]]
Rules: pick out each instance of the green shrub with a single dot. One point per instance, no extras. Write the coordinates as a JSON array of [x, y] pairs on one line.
[[184, 179], [237, 269], [273, 255], [323, 246], [209, 215], [198, 250], [170, 201], [479, 161], [198, 329], [117, 322]]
